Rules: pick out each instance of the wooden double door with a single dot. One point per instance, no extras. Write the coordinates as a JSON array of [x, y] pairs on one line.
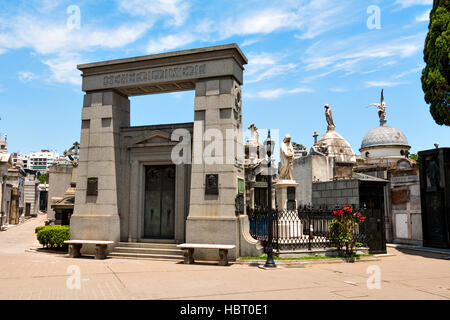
[[159, 207]]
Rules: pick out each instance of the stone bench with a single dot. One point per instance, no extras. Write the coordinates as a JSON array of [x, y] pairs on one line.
[[190, 247], [100, 247]]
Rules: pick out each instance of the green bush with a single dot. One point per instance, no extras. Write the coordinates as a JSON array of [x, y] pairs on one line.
[[36, 230], [342, 229], [53, 236]]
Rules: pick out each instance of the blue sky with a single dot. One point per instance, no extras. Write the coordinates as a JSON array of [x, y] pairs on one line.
[[302, 55]]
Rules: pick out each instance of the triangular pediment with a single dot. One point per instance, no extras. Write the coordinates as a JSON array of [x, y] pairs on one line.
[[153, 139]]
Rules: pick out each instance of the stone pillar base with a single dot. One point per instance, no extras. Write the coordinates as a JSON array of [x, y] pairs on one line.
[[233, 231], [211, 230], [281, 188], [95, 227]]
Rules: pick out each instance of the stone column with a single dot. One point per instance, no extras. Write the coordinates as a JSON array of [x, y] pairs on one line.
[[96, 215], [212, 218], [2, 212], [134, 202]]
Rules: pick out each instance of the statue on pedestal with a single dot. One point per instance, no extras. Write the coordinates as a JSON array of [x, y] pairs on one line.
[[287, 159], [329, 117], [381, 109]]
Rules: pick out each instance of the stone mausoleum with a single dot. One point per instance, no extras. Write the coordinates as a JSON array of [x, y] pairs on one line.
[[131, 186]]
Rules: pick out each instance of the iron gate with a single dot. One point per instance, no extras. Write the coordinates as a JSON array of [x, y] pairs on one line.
[[306, 228]]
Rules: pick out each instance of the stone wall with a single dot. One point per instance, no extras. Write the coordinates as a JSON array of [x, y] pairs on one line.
[[406, 209], [31, 196], [333, 193], [308, 169], [59, 182]]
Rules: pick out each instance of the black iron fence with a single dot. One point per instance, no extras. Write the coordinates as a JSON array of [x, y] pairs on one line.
[[304, 228]]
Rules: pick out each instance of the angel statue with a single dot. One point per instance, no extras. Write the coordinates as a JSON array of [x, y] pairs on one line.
[[381, 108], [329, 117]]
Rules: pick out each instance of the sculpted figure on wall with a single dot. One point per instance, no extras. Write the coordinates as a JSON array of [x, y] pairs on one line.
[[287, 159]]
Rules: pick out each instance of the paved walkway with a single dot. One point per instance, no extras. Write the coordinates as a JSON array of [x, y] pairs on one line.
[[26, 274]]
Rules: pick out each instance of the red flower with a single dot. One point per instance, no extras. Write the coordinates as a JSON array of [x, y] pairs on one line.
[[362, 218], [358, 214], [338, 212], [348, 208]]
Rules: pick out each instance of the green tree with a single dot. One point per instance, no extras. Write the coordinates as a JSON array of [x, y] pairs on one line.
[[436, 74], [43, 178]]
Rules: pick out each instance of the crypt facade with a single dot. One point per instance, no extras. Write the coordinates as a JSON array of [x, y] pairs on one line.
[[129, 187]]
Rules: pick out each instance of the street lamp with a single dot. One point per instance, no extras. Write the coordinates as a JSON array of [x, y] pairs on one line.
[[269, 146]]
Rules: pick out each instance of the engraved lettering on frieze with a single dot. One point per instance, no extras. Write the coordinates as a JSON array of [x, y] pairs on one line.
[[158, 74], [169, 73], [188, 71], [124, 78], [132, 77]]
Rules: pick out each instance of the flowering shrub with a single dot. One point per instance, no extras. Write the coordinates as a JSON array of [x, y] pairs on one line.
[[342, 228]]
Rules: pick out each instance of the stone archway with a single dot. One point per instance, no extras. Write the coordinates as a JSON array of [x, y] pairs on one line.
[[216, 75]]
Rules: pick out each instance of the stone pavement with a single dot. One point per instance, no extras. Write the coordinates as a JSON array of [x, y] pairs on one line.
[[27, 274]]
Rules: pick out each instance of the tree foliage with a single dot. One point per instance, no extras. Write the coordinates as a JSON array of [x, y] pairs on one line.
[[43, 178], [436, 74]]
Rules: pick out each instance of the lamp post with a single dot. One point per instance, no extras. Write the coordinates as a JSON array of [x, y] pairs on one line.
[[269, 145]]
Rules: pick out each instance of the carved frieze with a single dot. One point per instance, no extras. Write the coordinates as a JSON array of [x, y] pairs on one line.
[[154, 75]]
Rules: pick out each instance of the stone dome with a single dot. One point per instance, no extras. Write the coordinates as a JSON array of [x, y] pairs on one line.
[[384, 136], [334, 145]]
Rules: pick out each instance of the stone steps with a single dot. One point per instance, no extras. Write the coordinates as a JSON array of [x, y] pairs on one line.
[[144, 250]]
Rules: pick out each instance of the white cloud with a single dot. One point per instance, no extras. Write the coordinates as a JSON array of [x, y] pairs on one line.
[[338, 90], [265, 66], [49, 37], [249, 42], [61, 47], [169, 42], [64, 68], [417, 71], [359, 54], [383, 84], [272, 72], [310, 18], [424, 16], [45, 6], [266, 21], [276, 93], [178, 10], [27, 76], [410, 3]]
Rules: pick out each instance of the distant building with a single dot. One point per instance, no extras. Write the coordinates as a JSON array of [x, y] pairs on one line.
[[41, 161], [20, 159], [385, 154]]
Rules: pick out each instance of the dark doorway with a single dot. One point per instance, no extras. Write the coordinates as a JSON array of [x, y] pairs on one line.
[[159, 208], [435, 197], [43, 201], [372, 196]]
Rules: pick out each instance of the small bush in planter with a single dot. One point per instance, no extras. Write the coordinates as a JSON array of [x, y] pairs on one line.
[[342, 228], [53, 236]]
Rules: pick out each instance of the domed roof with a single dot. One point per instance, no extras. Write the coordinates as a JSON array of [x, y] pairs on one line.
[[384, 135], [334, 145]]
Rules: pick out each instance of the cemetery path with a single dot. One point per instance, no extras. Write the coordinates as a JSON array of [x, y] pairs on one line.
[[27, 274]]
